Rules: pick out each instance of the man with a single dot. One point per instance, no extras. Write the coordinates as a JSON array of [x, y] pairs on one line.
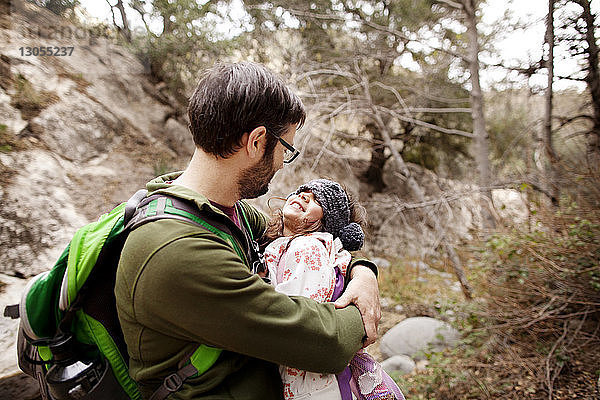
[[180, 285]]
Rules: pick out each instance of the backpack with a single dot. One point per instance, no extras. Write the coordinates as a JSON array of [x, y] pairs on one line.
[[69, 336]]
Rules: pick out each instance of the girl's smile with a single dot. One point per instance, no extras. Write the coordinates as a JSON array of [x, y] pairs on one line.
[[301, 211]]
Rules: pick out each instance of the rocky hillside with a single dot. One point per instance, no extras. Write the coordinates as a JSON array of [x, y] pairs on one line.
[[78, 134]]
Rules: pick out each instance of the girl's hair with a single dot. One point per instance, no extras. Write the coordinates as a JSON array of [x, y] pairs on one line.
[[275, 227]]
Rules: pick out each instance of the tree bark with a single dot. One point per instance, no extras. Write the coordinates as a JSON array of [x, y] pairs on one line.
[[126, 31], [481, 140], [552, 159], [374, 173], [593, 84]]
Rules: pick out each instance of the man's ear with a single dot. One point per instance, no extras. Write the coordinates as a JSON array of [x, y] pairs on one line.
[[257, 140]]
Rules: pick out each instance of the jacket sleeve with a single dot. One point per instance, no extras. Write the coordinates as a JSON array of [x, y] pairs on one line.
[[196, 288], [356, 260]]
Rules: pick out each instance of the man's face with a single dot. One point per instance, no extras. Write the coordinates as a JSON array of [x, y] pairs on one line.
[[254, 181]]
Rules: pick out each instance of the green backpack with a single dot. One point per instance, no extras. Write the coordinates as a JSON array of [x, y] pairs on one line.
[[69, 336]]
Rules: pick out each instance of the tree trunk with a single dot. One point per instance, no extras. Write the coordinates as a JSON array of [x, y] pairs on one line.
[[126, 31], [551, 163], [167, 24], [374, 174], [593, 83], [481, 140]]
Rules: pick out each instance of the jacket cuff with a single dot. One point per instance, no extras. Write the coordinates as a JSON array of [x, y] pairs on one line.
[[362, 261]]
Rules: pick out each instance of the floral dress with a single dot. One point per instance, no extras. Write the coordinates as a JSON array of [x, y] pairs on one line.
[[307, 268]]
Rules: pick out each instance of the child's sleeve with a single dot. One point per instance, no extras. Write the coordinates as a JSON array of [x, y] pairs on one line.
[[308, 270]]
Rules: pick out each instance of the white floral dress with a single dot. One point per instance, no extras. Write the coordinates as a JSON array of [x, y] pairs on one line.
[[307, 268]]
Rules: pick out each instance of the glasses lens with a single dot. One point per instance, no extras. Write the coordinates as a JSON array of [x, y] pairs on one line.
[[287, 155]]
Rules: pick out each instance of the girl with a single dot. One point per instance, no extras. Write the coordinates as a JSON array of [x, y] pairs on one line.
[[308, 256]]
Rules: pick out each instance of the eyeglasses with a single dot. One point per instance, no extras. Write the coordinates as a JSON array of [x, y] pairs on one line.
[[290, 153]]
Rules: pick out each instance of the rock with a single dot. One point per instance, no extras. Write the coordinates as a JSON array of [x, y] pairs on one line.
[[381, 262], [10, 116], [10, 293], [38, 217], [385, 302], [19, 386], [178, 138], [415, 335], [422, 365], [418, 265], [403, 364], [510, 205], [456, 287]]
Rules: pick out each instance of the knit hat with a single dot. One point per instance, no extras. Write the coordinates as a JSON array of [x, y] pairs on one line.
[[336, 212]]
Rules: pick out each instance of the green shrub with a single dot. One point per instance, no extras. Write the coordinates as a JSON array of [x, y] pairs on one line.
[[543, 304]]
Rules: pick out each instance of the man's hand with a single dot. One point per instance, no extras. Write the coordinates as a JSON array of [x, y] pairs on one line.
[[363, 292]]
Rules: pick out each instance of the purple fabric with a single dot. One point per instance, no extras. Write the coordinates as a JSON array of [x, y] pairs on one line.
[[370, 382], [339, 285], [343, 378], [391, 385], [361, 363]]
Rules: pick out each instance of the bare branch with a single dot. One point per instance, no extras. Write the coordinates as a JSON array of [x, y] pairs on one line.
[[346, 135], [426, 124], [375, 26], [440, 110], [578, 133], [437, 98], [571, 78], [338, 72], [395, 92], [565, 121], [452, 4], [112, 10], [528, 181]]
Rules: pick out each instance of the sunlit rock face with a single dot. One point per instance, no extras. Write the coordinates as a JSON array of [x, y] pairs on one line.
[[78, 135]]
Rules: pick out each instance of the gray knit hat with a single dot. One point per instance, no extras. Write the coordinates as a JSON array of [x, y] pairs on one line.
[[336, 212]]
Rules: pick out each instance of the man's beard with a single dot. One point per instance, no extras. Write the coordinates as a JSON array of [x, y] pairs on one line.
[[254, 181]]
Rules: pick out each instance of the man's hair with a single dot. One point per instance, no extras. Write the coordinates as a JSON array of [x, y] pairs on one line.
[[232, 99]]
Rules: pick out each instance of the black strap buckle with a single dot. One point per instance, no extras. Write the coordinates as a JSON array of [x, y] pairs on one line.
[[173, 382]]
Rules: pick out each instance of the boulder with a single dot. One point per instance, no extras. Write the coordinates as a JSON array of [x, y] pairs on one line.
[[11, 289], [404, 364], [415, 335], [381, 262]]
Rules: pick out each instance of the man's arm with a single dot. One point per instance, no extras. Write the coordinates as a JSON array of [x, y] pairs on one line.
[[197, 289], [363, 291]]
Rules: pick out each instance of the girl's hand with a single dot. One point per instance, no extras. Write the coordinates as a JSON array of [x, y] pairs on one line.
[[363, 292]]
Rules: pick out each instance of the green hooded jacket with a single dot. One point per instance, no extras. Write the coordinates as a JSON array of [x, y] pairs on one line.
[[179, 286]]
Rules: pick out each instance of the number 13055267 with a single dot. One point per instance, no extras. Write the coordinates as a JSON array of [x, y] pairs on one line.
[[46, 51]]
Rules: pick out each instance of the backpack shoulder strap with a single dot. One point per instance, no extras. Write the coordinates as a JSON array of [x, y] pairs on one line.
[[154, 208], [196, 364], [163, 206]]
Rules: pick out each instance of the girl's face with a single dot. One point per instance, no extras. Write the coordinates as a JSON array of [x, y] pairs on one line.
[[301, 211]]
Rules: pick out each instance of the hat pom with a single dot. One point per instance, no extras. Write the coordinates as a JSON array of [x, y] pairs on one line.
[[352, 236]]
